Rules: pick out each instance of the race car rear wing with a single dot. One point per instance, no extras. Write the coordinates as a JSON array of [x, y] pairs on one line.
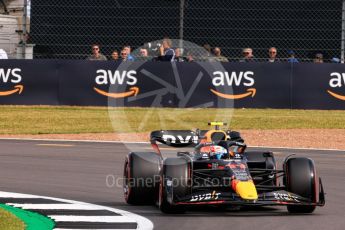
[[183, 138], [176, 138]]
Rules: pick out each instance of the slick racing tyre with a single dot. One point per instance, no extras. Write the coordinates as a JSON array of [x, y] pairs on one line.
[[141, 178], [175, 183], [300, 178]]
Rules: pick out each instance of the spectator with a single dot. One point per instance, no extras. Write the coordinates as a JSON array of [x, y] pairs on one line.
[[3, 54], [292, 58], [190, 57], [96, 54], [144, 52], [166, 53], [115, 55], [178, 57], [247, 55], [206, 54], [208, 48], [127, 49], [124, 55], [318, 58], [272, 53], [218, 56]]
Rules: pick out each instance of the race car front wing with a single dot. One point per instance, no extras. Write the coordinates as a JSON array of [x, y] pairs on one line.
[[280, 197]]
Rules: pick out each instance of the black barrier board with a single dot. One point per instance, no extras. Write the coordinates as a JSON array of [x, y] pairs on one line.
[[271, 83], [168, 84], [77, 82], [318, 86], [29, 82], [165, 84]]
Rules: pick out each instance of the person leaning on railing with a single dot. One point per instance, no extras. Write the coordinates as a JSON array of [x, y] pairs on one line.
[[292, 58], [128, 50], [96, 54], [143, 55], [318, 58], [247, 55], [124, 55], [218, 56], [178, 56], [115, 55], [166, 53], [272, 55]]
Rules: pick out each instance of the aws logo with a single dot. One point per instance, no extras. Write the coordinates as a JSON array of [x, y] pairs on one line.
[[234, 79], [106, 77], [11, 76], [337, 81]]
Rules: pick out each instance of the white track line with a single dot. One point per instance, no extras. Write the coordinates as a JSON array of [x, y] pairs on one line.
[[142, 222], [105, 219], [56, 206], [87, 229], [17, 195], [144, 142], [294, 148]]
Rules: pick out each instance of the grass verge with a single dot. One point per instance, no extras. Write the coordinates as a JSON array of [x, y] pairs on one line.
[[10, 221], [30, 220], [67, 120]]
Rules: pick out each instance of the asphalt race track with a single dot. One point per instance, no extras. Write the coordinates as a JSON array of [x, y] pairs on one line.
[[89, 172]]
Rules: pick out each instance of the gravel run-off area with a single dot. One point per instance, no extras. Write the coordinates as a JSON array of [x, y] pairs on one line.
[[297, 138]]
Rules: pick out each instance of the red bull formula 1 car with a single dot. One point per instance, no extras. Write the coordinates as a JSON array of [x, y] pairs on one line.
[[218, 171]]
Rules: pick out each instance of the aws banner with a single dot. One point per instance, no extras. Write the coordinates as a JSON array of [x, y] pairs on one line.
[[165, 84], [29, 82]]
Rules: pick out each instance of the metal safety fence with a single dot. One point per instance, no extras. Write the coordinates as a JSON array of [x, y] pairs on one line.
[[65, 29]]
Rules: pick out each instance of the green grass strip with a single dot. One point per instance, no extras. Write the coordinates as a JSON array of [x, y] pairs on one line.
[[74, 120], [9, 221], [32, 221]]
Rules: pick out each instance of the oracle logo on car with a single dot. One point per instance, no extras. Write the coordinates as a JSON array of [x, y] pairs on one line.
[[8, 76], [337, 81], [206, 196], [234, 79], [180, 139], [106, 77]]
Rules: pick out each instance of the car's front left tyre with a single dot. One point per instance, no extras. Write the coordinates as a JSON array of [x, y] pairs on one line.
[[141, 178]]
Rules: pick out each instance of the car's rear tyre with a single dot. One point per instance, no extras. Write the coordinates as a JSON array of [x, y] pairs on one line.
[[300, 178], [175, 183], [262, 160], [141, 178]]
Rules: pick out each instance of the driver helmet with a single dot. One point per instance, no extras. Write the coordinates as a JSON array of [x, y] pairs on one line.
[[217, 151]]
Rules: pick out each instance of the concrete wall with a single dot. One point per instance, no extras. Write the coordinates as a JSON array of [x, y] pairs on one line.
[[10, 26], [9, 38]]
